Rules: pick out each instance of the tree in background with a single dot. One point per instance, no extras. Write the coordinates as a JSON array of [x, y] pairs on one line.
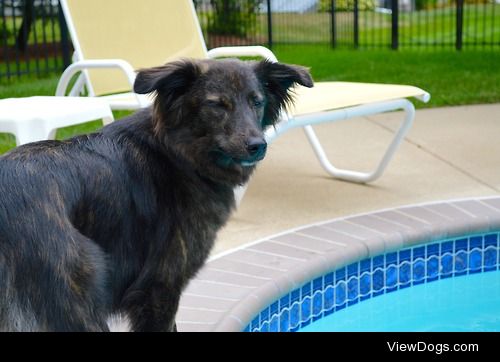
[[233, 17]]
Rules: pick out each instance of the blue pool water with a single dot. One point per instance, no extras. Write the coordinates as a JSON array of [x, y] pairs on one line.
[[465, 303], [447, 285]]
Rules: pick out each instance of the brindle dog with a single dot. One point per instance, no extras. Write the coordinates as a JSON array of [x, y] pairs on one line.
[[118, 221]]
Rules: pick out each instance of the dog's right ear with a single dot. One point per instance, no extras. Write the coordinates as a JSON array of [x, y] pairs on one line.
[[169, 79], [278, 80]]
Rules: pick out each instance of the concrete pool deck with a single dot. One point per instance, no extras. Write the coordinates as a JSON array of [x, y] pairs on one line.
[[450, 153]]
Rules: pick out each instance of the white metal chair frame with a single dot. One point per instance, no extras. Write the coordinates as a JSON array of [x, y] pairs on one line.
[[287, 121]]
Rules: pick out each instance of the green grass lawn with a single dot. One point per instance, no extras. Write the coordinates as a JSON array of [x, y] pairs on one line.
[[428, 27], [452, 78], [42, 66]]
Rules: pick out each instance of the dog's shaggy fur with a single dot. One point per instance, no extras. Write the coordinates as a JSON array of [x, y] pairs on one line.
[[118, 221]]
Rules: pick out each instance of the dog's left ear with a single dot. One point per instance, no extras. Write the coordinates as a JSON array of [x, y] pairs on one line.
[[170, 82], [277, 80], [171, 76]]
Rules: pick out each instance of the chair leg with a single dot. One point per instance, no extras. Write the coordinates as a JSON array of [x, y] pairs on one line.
[[25, 135], [52, 135], [356, 176], [78, 87], [306, 123], [108, 118]]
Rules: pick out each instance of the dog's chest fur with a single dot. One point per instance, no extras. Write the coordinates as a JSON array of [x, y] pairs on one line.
[[202, 209], [172, 224]]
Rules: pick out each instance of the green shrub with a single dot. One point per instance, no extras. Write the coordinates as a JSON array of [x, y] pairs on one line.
[[344, 5], [6, 33], [233, 17], [425, 4]]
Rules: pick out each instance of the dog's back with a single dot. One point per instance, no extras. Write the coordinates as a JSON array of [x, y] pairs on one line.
[[46, 263]]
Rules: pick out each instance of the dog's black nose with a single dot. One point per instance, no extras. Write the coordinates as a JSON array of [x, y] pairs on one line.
[[256, 146]]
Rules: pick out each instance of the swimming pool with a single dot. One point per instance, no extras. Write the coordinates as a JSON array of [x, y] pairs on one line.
[[418, 282], [364, 272], [465, 304]]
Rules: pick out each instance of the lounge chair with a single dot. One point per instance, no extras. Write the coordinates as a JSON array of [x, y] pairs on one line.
[[114, 37]]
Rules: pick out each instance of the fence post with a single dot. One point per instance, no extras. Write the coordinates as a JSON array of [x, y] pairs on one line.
[[356, 24], [460, 25], [25, 28], [395, 25], [333, 25], [269, 25], [64, 37]]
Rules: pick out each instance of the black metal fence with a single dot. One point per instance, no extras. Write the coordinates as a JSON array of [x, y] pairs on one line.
[[34, 38], [392, 24]]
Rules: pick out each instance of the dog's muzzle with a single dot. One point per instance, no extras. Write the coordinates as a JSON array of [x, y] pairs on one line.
[[256, 150]]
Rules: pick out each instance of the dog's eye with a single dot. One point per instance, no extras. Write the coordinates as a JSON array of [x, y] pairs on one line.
[[213, 103], [217, 103], [257, 102]]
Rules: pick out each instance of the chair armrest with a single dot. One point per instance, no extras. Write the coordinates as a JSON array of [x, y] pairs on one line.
[[425, 97], [82, 65], [243, 51]]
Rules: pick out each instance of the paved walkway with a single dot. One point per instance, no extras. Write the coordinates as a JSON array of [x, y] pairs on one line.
[[449, 153]]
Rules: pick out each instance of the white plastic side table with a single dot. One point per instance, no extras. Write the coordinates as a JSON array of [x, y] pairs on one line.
[[34, 119]]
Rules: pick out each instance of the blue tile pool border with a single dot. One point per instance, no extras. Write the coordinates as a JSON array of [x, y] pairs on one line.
[[289, 280], [386, 273]]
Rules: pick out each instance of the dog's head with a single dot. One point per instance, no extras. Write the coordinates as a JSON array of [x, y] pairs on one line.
[[213, 114]]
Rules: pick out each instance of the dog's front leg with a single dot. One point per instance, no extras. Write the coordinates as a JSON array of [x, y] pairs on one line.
[[153, 309]]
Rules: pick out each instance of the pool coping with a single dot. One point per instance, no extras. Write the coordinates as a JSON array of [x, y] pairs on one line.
[[234, 286]]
